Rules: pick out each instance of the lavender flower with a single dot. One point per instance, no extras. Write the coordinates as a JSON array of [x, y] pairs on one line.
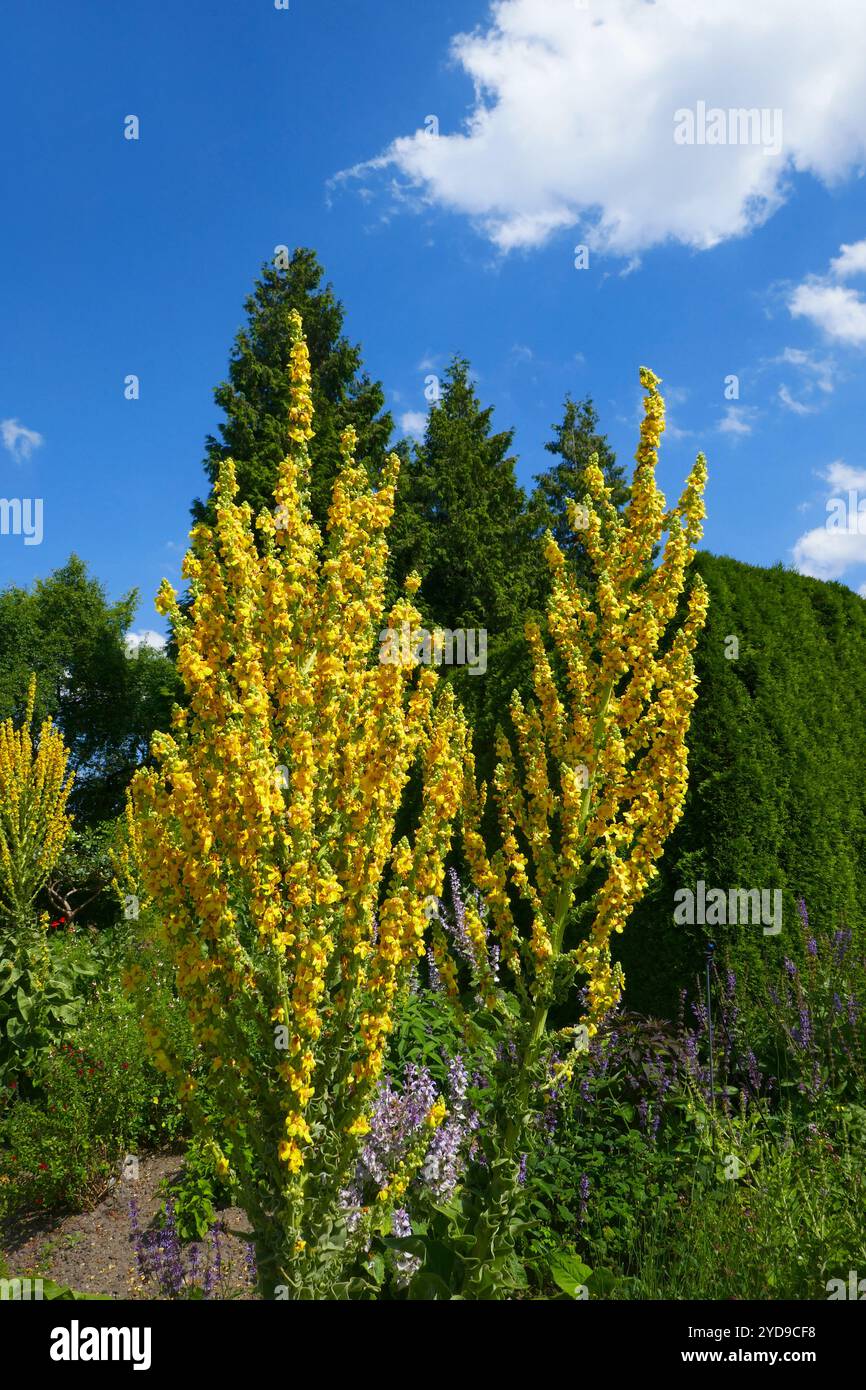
[[397, 1123], [405, 1263], [802, 1035], [433, 972], [584, 1196], [162, 1261], [459, 935], [841, 943]]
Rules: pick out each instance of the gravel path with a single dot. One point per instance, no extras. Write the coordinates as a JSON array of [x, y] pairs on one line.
[[93, 1251]]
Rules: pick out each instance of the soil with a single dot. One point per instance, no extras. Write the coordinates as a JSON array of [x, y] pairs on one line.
[[94, 1251]]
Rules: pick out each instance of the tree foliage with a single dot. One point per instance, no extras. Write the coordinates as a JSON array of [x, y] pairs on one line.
[[256, 398], [105, 701]]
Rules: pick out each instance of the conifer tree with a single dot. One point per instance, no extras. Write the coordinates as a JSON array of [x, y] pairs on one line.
[[462, 521], [256, 396], [463, 515], [576, 439]]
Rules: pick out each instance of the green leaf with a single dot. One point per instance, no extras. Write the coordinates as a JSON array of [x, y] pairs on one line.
[[569, 1272], [602, 1282], [427, 1287]]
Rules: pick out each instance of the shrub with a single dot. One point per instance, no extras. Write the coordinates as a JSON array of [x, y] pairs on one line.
[[93, 1100]]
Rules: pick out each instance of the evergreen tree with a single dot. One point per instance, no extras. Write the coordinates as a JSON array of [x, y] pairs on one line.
[[576, 438], [463, 522], [462, 517], [255, 398]]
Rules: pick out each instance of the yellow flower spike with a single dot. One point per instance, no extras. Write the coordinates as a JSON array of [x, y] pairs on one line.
[[265, 832], [577, 785], [34, 825]]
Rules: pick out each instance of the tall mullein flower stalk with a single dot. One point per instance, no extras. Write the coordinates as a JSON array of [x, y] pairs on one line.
[[266, 838], [593, 781], [34, 825]]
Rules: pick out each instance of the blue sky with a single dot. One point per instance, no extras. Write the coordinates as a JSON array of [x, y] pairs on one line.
[[261, 127]]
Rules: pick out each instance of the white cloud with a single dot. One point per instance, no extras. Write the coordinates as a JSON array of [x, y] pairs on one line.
[[414, 422], [850, 261], [828, 551], [675, 433], [819, 371], [836, 309], [18, 440], [798, 407], [816, 378], [824, 554], [841, 476], [146, 638], [574, 115], [737, 420]]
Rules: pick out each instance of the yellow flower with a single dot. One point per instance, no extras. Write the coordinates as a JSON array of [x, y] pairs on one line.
[[437, 1113]]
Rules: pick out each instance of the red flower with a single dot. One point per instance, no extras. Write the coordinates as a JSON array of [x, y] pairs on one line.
[[44, 1167]]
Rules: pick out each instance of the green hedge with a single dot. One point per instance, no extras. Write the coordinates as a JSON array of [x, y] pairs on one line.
[[777, 794]]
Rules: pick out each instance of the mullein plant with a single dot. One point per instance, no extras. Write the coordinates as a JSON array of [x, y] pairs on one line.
[[37, 1000], [588, 788], [34, 825], [265, 837]]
